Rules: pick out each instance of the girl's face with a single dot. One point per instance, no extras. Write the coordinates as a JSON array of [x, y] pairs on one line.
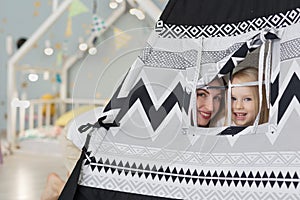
[[208, 103], [244, 105]]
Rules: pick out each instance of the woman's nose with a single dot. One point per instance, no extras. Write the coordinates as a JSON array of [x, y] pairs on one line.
[[209, 105]]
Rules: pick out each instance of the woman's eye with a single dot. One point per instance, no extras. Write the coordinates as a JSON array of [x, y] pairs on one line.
[[217, 98], [201, 94]]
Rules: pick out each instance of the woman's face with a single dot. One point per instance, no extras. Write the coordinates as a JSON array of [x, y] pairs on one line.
[[244, 105], [208, 103]]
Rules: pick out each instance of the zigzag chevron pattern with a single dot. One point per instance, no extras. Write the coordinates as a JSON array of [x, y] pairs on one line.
[[282, 95], [184, 176], [249, 46], [185, 31], [292, 90], [254, 159], [163, 182], [132, 186], [274, 90], [139, 92], [167, 59]]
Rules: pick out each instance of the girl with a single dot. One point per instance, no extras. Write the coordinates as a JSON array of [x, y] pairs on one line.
[[245, 99]]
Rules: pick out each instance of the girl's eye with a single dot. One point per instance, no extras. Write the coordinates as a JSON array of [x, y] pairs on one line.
[[233, 99], [248, 99]]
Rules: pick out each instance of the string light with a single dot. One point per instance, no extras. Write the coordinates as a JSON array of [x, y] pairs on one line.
[[113, 5], [92, 51], [33, 77], [138, 13], [48, 50], [82, 45]]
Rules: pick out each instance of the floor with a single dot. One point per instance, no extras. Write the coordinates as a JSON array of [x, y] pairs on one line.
[[23, 175]]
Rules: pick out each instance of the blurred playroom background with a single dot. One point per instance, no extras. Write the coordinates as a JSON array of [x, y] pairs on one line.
[[59, 58]]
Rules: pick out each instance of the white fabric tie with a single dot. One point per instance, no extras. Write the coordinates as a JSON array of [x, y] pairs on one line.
[[260, 79]]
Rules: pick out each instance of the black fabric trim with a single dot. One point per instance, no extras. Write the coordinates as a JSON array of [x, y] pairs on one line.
[[89, 193], [168, 9], [204, 12], [71, 185], [276, 20]]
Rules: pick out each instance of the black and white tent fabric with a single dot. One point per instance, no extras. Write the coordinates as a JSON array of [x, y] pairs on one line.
[[143, 145]]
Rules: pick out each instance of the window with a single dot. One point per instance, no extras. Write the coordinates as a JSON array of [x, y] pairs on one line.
[[235, 100]]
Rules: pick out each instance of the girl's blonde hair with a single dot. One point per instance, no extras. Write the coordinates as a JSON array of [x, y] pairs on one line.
[[250, 74]]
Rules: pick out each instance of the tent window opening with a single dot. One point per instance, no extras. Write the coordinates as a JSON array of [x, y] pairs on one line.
[[236, 99]]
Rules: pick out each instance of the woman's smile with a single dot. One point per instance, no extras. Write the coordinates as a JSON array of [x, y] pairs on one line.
[[205, 115]]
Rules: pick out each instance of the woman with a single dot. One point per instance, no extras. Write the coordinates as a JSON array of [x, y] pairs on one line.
[[210, 103]]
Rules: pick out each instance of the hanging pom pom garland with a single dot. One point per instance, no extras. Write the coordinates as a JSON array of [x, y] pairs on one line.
[[98, 23], [58, 79]]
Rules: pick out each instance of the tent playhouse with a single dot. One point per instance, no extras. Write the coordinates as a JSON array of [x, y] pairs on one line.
[[146, 144]]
